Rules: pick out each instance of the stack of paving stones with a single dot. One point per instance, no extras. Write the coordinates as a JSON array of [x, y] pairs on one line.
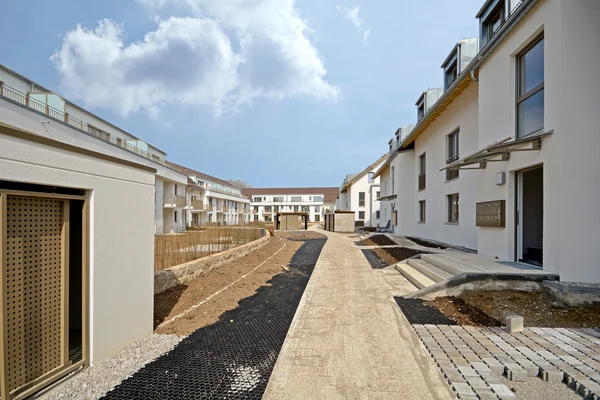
[[472, 359]]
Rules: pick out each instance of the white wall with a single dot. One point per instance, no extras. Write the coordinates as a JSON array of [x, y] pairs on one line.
[[121, 235], [349, 200]]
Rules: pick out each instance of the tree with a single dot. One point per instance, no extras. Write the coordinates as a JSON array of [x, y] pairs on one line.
[[239, 184]]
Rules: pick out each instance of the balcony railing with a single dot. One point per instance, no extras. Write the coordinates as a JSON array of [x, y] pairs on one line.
[[172, 200], [225, 209], [197, 204], [27, 101], [210, 207], [254, 211]]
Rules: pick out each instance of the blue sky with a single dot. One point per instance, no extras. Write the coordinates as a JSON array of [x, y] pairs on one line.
[[257, 90]]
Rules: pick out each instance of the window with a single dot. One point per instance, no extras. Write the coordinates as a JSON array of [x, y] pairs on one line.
[[210, 217], [422, 209], [450, 74], [317, 209], [256, 218], [393, 181], [361, 215], [255, 209], [453, 208], [377, 214], [421, 111], [361, 199], [371, 177], [305, 209], [422, 171], [296, 198], [452, 152], [530, 91], [317, 218], [175, 190], [318, 199], [491, 20], [378, 195], [276, 208], [295, 208], [267, 208], [278, 200], [257, 199], [175, 216]]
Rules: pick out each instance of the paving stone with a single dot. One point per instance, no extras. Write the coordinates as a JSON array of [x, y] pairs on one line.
[[477, 383], [514, 372], [503, 391], [552, 375], [467, 371], [480, 367], [462, 389]]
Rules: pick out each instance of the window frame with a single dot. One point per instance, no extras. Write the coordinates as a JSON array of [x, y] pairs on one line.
[[422, 211], [359, 216], [361, 199], [449, 205], [452, 153], [521, 98], [422, 172]]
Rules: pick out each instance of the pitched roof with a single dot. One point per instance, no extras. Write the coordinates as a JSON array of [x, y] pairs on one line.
[[358, 176], [329, 193], [201, 175]]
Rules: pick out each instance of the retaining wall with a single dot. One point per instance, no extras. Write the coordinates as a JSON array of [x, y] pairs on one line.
[[186, 272]]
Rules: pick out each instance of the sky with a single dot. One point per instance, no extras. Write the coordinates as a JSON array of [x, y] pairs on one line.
[[272, 92]]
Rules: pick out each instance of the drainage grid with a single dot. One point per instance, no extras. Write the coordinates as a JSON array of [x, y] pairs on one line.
[[234, 357], [373, 259], [416, 312]]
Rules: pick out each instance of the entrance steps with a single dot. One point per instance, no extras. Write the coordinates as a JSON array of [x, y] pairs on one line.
[[426, 271]]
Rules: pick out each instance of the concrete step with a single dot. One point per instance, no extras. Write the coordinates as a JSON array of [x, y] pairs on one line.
[[429, 270], [415, 277], [447, 265]]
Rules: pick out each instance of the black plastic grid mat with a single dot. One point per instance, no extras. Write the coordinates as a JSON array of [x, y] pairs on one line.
[[373, 259], [417, 312], [234, 357]]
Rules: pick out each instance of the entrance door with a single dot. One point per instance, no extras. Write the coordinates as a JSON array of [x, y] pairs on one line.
[[35, 322], [530, 216]]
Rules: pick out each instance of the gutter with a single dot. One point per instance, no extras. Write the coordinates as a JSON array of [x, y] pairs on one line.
[[508, 26]]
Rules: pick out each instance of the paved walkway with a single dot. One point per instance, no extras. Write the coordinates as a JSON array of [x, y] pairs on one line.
[[349, 340]]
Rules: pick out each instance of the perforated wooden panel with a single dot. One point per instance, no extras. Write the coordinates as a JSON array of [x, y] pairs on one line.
[[33, 287]]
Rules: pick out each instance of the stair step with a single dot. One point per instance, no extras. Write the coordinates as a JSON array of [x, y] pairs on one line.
[[447, 265], [415, 277], [429, 270]]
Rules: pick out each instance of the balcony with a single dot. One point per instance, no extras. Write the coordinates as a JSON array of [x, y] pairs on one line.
[[30, 100], [255, 211], [210, 207], [197, 204], [173, 201], [225, 209]]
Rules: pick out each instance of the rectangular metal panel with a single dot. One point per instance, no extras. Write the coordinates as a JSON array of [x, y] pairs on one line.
[[491, 214], [33, 288]]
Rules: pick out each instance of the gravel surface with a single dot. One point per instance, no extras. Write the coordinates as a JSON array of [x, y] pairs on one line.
[[97, 380], [537, 389]]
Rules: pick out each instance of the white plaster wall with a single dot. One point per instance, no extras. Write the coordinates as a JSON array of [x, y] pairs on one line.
[[352, 194], [461, 114], [158, 205], [405, 188], [385, 206], [121, 235]]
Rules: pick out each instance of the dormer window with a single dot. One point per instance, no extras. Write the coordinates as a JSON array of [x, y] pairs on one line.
[[490, 17], [421, 110], [450, 74]]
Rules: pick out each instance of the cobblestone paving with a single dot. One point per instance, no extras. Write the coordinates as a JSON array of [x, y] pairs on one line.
[[472, 359]]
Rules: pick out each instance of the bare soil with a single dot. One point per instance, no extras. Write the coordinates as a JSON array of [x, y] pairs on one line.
[[539, 308], [426, 243], [392, 255], [181, 298], [377, 240]]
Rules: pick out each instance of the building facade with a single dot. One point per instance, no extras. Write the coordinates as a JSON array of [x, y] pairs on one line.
[[504, 162], [266, 202], [359, 193], [212, 200]]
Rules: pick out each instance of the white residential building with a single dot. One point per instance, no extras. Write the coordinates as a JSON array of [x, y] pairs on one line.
[[505, 160], [30, 106], [211, 199], [266, 202], [359, 193]]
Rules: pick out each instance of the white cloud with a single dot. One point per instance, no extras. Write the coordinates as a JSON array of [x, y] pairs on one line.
[[352, 15], [225, 55]]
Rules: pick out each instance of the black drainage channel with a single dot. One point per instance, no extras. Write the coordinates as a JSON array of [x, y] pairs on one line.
[[373, 259], [234, 357], [417, 312]]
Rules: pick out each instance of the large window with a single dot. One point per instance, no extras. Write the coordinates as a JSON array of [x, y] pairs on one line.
[[317, 199], [450, 74], [530, 90], [361, 199], [257, 199], [422, 210], [377, 214], [296, 199], [453, 208], [361, 215], [278, 199], [491, 19], [393, 181], [452, 154], [422, 171]]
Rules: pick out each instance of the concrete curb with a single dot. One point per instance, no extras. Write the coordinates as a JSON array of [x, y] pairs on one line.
[[471, 277], [186, 272]]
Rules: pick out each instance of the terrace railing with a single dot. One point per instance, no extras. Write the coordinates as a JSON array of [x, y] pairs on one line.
[[172, 200]]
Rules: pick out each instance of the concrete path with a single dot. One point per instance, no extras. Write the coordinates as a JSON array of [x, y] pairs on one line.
[[349, 340]]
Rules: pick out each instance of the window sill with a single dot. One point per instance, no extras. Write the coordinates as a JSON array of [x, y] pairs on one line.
[[421, 222], [452, 180], [451, 223]]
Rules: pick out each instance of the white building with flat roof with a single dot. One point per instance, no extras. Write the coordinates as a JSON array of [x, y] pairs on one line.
[[266, 202]]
